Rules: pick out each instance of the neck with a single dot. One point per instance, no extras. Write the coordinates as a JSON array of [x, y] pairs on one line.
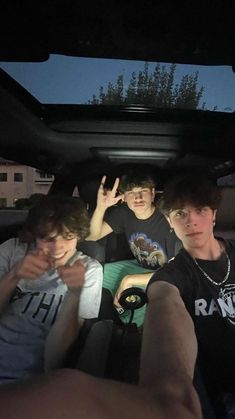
[[211, 250], [146, 214]]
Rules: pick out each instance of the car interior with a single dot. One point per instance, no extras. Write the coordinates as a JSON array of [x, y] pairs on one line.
[[80, 141]]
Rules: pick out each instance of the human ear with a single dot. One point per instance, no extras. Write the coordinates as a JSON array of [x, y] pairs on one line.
[[169, 220], [214, 215], [153, 192]]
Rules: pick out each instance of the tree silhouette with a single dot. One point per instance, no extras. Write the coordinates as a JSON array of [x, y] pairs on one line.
[[153, 89]]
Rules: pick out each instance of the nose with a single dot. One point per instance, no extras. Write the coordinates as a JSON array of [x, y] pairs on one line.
[[54, 245], [138, 195], [190, 219]]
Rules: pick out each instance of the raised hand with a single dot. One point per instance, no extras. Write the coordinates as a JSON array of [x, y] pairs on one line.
[[73, 276], [106, 197]]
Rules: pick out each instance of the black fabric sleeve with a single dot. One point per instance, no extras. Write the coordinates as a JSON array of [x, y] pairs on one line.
[[113, 217], [172, 273]]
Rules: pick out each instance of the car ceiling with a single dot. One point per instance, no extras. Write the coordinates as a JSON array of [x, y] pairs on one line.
[[66, 139], [199, 32]]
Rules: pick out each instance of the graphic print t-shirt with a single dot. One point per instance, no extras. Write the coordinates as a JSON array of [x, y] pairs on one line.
[[33, 308], [151, 241]]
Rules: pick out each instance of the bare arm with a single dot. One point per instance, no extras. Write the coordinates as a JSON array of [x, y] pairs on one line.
[[169, 348], [135, 280], [165, 390], [66, 327], [8, 284], [63, 333], [105, 199]]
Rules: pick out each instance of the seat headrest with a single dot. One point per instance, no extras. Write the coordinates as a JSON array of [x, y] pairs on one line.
[[226, 212]]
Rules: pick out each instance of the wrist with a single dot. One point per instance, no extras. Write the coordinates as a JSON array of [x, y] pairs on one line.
[[128, 281], [100, 210], [73, 293]]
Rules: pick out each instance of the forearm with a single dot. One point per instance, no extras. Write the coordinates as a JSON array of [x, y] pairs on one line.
[[138, 280], [63, 333], [169, 343], [169, 352], [73, 394], [8, 284], [96, 224]]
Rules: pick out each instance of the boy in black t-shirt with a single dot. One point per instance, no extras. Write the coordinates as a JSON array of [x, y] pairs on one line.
[[202, 277], [147, 231]]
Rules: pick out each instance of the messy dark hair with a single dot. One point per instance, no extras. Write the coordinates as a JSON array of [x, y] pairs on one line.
[[195, 189], [56, 213], [136, 178]]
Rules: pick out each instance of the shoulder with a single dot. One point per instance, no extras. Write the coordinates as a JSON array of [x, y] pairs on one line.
[[160, 220], [115, 212], [176, 272], [230, 244], [13, 245], [11, 251], [94, 271]]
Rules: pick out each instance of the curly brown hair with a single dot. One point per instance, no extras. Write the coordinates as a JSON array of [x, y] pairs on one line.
[[56, 213]]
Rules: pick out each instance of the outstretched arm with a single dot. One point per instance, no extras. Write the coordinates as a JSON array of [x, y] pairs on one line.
[[105, 199], [169, 349], [165, 389]]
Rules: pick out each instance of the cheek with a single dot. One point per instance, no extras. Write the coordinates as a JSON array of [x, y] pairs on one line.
[[70, 245], [178, 229], [150, 199], [40, 244], [128, 202], [208, 222]]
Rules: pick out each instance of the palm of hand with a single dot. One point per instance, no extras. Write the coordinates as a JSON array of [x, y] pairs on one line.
[[108, 199]]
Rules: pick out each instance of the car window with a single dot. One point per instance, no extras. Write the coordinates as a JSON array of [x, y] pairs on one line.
[[89, 81], [228, 180], [21, 184]]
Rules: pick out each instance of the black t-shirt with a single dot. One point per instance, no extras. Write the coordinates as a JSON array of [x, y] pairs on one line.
[[151, 241], [212, 309]]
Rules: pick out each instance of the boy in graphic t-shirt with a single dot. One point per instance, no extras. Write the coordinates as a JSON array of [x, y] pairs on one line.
[[47, 288], [147, 231]]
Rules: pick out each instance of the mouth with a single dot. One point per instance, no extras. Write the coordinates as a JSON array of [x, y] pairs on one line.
[[139, 204], [57, 256], [194, 234]]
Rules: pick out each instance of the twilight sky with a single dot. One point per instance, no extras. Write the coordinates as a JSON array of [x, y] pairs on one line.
[[64, 79]]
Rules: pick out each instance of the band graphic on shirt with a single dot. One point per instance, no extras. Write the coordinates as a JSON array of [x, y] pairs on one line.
[[146, 251]]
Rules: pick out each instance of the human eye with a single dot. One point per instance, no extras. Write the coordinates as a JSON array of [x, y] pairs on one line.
[[129, 194], [179, 214], [46, 239], [69, 237], [202, 210]]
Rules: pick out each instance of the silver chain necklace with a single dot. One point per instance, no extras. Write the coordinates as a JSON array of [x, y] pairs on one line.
[[209, 278]]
